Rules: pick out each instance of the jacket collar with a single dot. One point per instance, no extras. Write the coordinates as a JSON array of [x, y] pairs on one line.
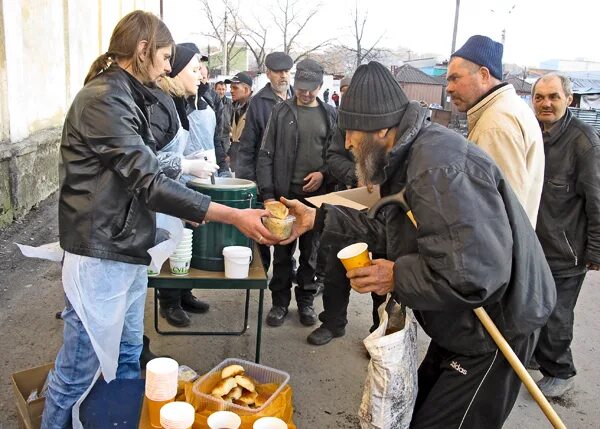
[[556, 132], [267, 92], [141, 94], [412, 122], [475, 112]]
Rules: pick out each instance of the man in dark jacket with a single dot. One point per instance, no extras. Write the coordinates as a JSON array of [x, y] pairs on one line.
[[277, 90], [568, 223], [291, 163], [474, 247]]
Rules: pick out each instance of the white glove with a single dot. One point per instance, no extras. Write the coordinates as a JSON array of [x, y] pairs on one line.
[[198, 167]]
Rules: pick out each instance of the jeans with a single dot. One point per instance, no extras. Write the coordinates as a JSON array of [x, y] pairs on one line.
[[77, 363]]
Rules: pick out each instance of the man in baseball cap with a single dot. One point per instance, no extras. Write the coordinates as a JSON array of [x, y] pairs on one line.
[[241, 91], [474, 247]]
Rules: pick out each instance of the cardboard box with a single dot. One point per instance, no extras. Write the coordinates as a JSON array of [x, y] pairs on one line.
[[24, 382], [359, 198]]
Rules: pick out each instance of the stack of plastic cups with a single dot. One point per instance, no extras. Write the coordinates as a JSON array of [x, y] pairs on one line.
[[182, 256], [177, 415], [161, 386]]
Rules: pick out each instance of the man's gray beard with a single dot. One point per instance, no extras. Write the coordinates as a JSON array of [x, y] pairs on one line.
[[282, 88], [371, 159]]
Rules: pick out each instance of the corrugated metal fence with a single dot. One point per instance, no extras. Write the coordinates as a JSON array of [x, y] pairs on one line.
[[591, 117]]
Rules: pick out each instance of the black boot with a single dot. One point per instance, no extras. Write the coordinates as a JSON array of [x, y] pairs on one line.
[[192, 304], [147, 354], [175, 316]]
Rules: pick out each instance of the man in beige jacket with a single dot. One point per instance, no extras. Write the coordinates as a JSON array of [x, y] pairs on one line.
[[499, 121]]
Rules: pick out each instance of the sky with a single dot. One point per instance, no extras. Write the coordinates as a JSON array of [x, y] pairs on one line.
[[536, 30]]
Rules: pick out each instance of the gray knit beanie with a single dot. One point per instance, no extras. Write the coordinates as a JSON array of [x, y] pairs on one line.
[[374, 100]]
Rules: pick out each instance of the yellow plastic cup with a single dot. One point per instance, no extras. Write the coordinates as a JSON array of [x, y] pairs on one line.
[[355, 256]]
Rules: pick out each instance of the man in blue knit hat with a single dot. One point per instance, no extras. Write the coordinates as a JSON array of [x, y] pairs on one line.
[[499, 121]]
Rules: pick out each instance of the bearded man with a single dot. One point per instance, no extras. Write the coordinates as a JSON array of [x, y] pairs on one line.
[[474, 247]]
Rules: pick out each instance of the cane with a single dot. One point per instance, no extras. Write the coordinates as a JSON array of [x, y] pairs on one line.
[[489, 325]]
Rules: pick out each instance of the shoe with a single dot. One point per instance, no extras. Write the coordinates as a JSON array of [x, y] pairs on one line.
[[276, 315], [533, 364], [323, 335], [308, 317], [553, 387], [175, 316], [193, 305]]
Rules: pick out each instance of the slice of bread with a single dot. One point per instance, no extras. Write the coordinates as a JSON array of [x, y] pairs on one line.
[[248, 398], [236, 393], [245, 382], [232, 371], [223, 387]]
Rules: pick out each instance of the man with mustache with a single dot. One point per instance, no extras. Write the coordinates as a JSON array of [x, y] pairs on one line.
[[474, 247], [499, 121], [568, 225]]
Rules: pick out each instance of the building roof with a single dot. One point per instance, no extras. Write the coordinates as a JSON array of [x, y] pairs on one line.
[[519, 84], [410, 74]]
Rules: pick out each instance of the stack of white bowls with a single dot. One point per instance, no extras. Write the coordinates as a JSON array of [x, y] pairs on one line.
[[177, 415], [182, 256]]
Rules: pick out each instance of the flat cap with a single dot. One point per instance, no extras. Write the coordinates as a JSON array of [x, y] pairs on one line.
[[309, 75], [277, 61], [241, 77]]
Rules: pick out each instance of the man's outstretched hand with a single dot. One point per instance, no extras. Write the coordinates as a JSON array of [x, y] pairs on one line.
[[305, 218], [377, 278]]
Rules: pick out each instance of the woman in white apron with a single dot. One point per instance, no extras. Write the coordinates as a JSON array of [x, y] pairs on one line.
[[111, 188]]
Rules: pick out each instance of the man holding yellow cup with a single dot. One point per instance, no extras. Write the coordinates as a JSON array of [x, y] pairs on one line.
[[474, 247]]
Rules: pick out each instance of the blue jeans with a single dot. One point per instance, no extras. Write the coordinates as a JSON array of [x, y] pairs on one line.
[[77, 363]]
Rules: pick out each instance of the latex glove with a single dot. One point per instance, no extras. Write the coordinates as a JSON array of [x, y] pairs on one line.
[[198, 167]]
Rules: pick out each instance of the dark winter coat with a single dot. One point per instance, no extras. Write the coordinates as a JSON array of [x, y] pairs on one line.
[[111, 183], [277, 156], [342, 166], [568, 224], [257, 117], [474, 246]]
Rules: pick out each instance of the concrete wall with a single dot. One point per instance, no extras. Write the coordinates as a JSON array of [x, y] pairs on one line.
[[46, 48]]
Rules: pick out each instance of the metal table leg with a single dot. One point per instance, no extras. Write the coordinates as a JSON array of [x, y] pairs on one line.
[[261, 296]]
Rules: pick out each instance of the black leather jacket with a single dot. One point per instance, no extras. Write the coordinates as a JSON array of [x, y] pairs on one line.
[[568, 223], [474, 245], [111, 183]]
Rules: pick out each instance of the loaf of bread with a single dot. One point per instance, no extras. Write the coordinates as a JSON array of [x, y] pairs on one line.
[[245, 382]]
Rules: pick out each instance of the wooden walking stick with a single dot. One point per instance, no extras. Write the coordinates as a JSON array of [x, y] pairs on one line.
[[491, 328]]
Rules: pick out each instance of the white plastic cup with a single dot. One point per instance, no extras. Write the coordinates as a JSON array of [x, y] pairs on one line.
[[237, 261], [187, 232], [269, 423], [177, 415], [224, 420], [161, 376]]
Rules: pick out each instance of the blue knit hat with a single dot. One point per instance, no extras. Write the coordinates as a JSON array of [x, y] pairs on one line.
[[483, 51]]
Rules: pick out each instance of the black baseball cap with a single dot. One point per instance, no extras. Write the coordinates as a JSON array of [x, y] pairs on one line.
[[240, 78], [309, 75], [278, 61]]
